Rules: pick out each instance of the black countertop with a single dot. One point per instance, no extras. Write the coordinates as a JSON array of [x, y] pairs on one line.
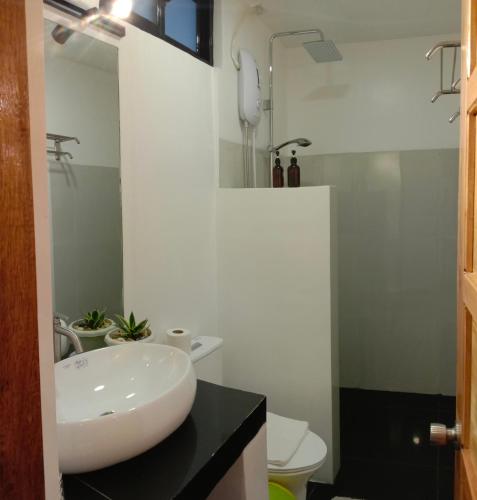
[[191, 461]]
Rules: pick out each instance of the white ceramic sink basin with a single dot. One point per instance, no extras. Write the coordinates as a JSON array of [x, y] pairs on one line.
[[115, 403]]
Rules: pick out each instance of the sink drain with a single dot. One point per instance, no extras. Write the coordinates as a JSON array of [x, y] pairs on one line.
[[110, 412]]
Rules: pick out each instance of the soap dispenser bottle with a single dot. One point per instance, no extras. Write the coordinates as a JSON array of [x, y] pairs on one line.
[[293, 172], [278, 177]]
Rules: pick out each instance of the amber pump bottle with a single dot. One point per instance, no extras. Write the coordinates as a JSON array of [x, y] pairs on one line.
[[293, 172], [278, 178]]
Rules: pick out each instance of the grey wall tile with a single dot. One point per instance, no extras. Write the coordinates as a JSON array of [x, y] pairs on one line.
[[231, 166], [87, 238]]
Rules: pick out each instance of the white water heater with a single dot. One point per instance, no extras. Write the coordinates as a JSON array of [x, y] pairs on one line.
[[250, 99]]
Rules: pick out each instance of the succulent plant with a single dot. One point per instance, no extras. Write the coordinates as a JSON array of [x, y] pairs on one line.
[[129, 329], [94, 320]]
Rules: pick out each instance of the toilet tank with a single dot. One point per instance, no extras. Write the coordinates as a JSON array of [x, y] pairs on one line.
[[206, 354]]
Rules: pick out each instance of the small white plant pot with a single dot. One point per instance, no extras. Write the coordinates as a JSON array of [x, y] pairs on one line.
[[111, 340], [92, 339]]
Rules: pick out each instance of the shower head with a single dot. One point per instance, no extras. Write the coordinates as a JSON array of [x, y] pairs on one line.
[[301, 141], [61, 34], [323, 51]]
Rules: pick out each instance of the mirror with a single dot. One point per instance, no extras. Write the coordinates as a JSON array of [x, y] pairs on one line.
[[82, 115]]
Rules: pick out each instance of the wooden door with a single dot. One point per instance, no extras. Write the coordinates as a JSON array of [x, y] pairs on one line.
[[21, 457], [466, 457]]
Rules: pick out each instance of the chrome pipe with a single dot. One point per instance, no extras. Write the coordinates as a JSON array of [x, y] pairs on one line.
[[69, 334], [440, 46], [454, 117], [454, 85], [270, 83], [444, 92]]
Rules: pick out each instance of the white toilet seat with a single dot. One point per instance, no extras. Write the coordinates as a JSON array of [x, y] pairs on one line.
[[310, 455]]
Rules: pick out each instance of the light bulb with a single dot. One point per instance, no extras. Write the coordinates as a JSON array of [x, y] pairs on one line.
[[121, 8]]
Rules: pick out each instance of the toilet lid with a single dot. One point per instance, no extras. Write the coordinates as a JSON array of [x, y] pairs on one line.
[[310, 454]]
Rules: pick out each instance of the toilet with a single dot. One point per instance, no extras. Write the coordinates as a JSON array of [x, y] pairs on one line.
[[308, 458], [206, 354]]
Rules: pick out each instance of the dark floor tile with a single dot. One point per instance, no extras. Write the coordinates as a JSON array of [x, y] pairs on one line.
[[382, 430], [357, 398], [446, 484], [407, 436], [372, 480], [385, 448], [447, 403], [405, 482], [446, 457], [316, 491], [412, 400], [357, 479]]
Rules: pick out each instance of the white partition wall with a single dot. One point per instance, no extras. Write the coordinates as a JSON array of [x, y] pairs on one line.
[[277, 306]]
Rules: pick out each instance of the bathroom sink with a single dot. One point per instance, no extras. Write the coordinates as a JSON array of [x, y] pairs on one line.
[[115, 403]]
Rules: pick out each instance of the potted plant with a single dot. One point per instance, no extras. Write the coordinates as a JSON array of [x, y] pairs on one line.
[[129, 331], [92, 328]]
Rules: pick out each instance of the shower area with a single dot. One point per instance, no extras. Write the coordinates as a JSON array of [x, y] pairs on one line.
[[392, 157], [361, 116]]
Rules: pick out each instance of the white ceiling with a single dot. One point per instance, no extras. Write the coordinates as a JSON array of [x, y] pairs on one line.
[[363, 20], [83, 49]]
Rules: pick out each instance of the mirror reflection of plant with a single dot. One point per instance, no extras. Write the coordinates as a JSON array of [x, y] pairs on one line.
[[131, 330], [94, 320]]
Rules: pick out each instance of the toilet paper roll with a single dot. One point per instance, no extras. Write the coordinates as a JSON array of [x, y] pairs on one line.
[[180, 338]]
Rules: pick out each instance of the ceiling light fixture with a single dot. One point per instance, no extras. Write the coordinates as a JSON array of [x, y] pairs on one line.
[[116, 8], [61, 34], [100, 16]]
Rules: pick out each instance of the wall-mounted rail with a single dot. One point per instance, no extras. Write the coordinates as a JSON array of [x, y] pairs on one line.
[[57, 141], [455, 80]]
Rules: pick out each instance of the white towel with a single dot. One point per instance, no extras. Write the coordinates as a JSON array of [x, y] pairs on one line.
[[284, 436]]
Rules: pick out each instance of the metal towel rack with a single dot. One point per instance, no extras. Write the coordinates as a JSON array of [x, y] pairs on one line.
[[57, 141], [453, 89]]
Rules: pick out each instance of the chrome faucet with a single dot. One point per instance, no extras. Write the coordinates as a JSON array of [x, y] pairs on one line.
[[70, 334]]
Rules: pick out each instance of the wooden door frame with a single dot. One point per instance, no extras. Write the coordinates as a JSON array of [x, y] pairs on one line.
[[28, 451]]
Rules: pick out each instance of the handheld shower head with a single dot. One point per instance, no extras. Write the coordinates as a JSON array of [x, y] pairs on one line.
[[301, 141], [304, 143]]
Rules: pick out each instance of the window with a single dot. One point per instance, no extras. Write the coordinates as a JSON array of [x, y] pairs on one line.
[[181, 22], [187, 24]]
